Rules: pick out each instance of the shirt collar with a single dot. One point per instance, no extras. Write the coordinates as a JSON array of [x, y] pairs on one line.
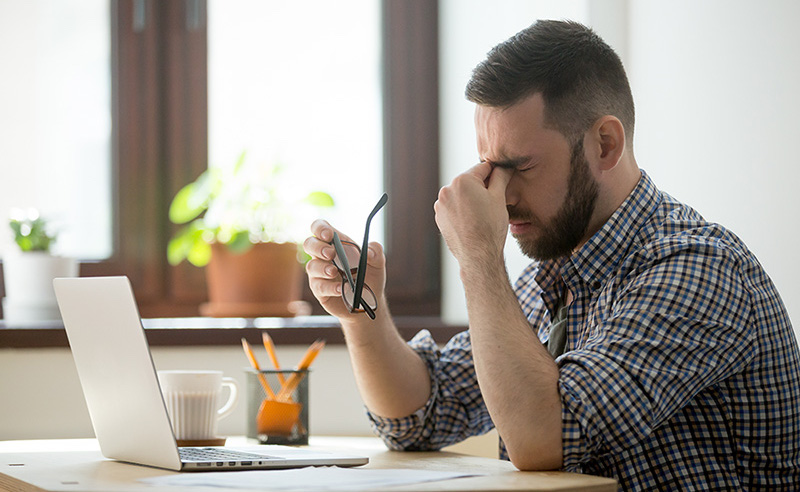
[[596, 260]]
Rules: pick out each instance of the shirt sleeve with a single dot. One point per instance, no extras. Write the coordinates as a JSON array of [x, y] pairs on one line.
[[455, 409], [673, 328]]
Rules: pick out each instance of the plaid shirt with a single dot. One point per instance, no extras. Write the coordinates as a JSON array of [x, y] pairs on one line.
[[681, 370]]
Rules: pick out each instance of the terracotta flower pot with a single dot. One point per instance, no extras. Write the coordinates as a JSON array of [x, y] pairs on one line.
[[264, 281]]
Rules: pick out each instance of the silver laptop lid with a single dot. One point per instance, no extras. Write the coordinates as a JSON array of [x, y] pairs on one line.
[[116, 370]]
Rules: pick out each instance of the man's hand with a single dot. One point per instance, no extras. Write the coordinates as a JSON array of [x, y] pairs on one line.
[[324, 278], [392, 378], [471, 213]]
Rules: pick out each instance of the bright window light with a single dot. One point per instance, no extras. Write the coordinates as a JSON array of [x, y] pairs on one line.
[[55, 121], [299, 83]]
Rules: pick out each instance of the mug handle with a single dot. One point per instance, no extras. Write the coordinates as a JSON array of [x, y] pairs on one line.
[[233, 398]]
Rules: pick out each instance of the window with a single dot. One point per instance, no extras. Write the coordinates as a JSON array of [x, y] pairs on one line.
[[55, 125], [160, 141], [303, 91]]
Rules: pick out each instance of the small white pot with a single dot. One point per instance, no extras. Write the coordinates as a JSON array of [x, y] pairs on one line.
[[29, 286]]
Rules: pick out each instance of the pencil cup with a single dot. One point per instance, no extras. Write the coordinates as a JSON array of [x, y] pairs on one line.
[[280, 418]]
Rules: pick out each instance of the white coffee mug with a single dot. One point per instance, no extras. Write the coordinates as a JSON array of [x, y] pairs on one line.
[[192, 399]]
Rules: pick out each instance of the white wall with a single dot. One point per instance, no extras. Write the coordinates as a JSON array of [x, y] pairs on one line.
[[716, 90], [42, 397]]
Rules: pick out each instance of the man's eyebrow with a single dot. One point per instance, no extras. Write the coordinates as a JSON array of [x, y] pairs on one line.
[[510, 163]]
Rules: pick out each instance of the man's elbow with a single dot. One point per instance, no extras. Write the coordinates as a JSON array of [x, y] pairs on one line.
[[536, 458]]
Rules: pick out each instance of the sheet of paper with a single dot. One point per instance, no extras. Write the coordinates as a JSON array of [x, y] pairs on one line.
[[326, 478]]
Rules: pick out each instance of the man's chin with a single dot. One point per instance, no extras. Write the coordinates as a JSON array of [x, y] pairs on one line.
[[526, 245], [538, 250]]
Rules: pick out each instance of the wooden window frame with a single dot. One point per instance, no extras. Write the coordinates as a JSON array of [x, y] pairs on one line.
[[160, 142]]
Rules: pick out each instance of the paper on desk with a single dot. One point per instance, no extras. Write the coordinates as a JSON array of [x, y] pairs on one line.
[[315, 478]]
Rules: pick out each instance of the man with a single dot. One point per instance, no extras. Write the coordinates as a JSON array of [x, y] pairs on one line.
[[643, 343]]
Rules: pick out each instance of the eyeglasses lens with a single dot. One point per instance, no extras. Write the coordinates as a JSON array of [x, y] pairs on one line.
[[353, 253], [367, 296]]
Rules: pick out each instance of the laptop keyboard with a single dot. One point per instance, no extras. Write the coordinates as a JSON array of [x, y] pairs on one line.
[[195, 455]]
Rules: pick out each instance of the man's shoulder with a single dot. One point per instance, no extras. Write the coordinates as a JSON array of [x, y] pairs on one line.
[[676, 227], [678, 237]]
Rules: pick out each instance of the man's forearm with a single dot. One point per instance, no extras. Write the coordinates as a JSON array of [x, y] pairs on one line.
[[517, 376], [392, 379]]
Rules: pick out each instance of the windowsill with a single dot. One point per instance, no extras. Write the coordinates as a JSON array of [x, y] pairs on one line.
[[176, 332]]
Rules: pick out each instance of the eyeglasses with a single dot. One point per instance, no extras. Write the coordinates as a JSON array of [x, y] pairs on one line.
[[357, 296]]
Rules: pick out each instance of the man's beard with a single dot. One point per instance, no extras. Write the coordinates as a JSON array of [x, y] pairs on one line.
[[563, 234]]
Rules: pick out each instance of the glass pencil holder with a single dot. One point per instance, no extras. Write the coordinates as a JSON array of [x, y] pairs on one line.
[[277, 406]]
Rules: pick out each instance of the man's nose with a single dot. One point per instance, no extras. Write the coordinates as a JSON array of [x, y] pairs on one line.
[[512, 193]]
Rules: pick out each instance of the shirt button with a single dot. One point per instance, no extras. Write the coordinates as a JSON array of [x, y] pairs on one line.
[[596, 285]]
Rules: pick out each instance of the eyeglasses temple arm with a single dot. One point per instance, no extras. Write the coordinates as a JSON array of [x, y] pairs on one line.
[[362, 261], [337, 245]]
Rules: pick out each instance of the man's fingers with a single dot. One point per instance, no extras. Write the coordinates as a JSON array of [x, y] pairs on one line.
[[481, 170], [321, 269], [323, 289], [375, 258], [318, 248], [322, 229], [320, 244], [498, 180], [494, 178], [323, 278]]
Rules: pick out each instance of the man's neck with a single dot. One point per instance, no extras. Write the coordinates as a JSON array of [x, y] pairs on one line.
[[616, 188]]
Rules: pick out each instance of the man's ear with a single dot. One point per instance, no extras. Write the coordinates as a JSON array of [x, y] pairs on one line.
[[607, 142]]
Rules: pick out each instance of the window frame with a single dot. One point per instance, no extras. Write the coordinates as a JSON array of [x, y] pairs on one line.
[[160, 142]]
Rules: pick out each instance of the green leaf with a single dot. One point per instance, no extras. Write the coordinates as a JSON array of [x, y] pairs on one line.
[[175, 253], [178, 247], [319, 199], [193, 199], [31, 234], [25, 243], [184, 206], [240, 242], [239, 162], [200, 254], [189, 244]]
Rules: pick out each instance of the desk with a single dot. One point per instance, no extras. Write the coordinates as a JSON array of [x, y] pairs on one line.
[[77, 465]]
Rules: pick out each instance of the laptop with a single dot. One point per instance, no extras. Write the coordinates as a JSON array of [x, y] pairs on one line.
[[123, 395]]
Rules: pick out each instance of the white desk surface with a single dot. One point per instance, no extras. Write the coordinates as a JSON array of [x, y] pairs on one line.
[[77, 465]]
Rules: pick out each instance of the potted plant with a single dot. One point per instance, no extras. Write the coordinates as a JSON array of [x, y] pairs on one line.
[[29, 270], [238, 222]]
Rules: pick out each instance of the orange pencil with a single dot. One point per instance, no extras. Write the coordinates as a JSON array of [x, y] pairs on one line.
[[291, 384], [253, 362], [310, 355], [272, 355]]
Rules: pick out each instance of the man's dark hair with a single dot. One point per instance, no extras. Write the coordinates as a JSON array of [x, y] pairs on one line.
[[580, 77]]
